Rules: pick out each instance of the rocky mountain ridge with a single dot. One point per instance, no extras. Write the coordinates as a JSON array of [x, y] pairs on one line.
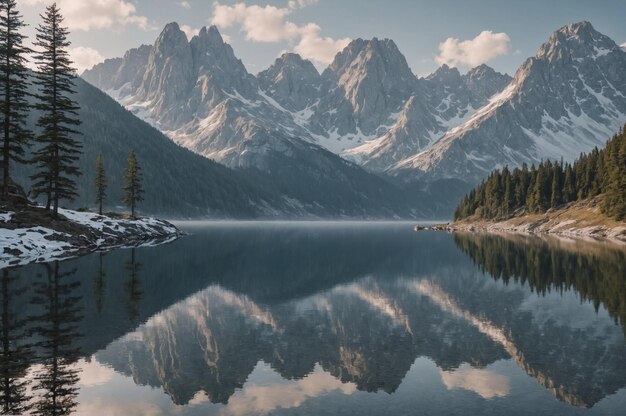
[[202, 97], [370, 109], [565, 100]]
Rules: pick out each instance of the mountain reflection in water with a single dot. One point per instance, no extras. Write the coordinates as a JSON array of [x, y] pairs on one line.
[[319, 319]]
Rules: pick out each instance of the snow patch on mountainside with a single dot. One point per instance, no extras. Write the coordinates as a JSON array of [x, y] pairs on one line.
[[368, 106], [567, 99]]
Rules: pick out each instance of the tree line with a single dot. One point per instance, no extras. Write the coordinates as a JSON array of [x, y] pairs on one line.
[[55, 149], [551, 184]]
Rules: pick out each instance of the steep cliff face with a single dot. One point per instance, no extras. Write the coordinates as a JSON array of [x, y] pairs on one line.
[[440, 102], [201, 95], [292, 81]]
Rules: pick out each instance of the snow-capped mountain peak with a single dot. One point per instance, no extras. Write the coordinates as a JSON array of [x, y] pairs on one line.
[[576, 41], [568, 98], [292, 81], [369, 107]]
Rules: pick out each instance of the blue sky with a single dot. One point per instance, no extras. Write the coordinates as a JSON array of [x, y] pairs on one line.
[[501, 33]]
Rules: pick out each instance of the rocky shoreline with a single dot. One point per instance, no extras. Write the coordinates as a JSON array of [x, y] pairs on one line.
[[533, 226], [30, 234], [581, 219]]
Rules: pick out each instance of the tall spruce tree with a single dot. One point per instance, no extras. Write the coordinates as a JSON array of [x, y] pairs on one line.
[[100, 182], [614, 203], [133, 188], [569, 186], [14, 85], [508, 201], [556, 197], [56, 158]]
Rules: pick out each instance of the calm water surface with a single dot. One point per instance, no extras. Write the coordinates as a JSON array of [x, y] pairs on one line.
[[315, 319]]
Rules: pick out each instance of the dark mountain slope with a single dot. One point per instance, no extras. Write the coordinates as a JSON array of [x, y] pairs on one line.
[[177, 182]]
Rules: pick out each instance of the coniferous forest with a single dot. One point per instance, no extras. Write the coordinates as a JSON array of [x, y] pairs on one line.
[[552, 184]]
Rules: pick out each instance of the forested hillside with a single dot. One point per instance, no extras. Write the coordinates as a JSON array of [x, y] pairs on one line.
[[552, 184]]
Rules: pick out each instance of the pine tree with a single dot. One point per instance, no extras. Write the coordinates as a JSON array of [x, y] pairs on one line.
[[597, 169], [569, 186], [14, 85], [133, 190], [100, 182], [521, 185], [580, 172], [59, 152], [508, 200], [614, 203], [544, 185], [556, 197], [531, 201]]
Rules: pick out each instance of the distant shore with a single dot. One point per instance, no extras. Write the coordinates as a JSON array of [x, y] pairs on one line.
[[576, 220], [31, 235]]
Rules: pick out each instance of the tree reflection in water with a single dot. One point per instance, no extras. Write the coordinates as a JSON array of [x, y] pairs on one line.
[[56, 377]]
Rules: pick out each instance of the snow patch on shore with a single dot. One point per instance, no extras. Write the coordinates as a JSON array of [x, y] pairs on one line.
[[32, 244], [21, 246], [102, 223]]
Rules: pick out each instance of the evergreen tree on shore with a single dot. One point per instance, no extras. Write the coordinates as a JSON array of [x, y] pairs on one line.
[[13, 89], [100, 182], [552, 184], [133, 188], [57, 157], [615, 178], [556, 197]]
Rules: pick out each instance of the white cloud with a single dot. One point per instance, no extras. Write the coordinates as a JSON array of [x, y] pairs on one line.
[[189, 31], [100, 406], [318, 48], [485, 383], [472, 52], [623, 45], [97, 14], [271, 395], [92, 373], [270, 24], [84, 58], [185, 5], [260, 24], [298, 4]]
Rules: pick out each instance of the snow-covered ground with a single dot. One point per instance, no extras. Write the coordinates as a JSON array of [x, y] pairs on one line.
[[20, 246]]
